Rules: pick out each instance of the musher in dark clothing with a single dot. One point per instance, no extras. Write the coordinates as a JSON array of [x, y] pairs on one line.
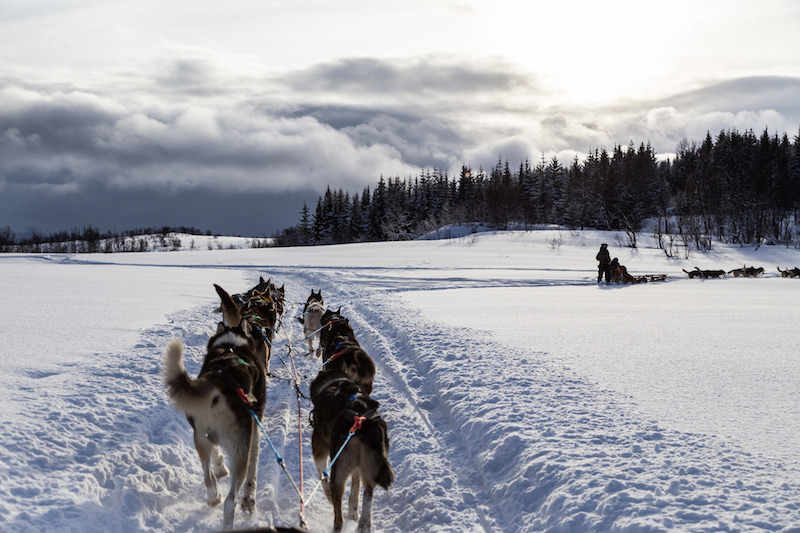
[[619, 273], [603, 269]]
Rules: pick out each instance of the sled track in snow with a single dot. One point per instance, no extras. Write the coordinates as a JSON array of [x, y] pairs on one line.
[[564, 456], [417, 421]]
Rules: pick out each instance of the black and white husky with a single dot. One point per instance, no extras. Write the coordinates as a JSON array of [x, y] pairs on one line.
[[221, 402], [341, 351], [340, 408], [312, 320]]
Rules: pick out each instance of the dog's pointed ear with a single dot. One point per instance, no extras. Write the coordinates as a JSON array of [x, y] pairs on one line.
[[231, 315], [247, 328], [260, 280], [339, 311]]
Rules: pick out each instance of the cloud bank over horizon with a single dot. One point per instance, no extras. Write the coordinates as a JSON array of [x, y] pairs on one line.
[[346, 131], [182, 117]]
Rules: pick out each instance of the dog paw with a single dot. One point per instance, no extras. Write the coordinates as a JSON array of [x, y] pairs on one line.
[[353, 515], [248, 505], [213, 501], [364, 527]]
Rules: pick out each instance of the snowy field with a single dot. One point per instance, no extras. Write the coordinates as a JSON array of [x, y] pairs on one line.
[[520, 395]]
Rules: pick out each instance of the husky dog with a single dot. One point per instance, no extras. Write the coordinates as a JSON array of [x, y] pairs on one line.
[[260, 311], [262, 288], [277, 294], [221, 403], [747, 272], [705, 274], [753, 272], [340, 409], [790, 272], [341, 351], [738, 271], [696, 273], [312, 319]]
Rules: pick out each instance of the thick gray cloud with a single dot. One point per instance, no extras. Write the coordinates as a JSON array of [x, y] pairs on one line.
[[96, 139], [187, 133], [776, 93], [421, 77]]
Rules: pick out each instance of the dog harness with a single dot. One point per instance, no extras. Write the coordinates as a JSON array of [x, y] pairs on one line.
[[223, 363], [340, 353], [359, 418]]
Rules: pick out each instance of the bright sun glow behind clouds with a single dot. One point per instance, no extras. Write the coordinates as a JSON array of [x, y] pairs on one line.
[[593, 52], [588, 52]]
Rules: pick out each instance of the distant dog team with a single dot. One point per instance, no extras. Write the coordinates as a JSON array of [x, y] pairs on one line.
[[745, 272]]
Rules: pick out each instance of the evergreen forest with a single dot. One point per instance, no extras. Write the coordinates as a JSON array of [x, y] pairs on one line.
[[736, 187]]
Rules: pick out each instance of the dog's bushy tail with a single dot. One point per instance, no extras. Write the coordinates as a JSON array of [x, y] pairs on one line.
[[385, 475], [184, 391]]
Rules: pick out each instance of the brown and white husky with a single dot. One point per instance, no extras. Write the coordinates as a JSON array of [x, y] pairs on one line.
[[221, 402]]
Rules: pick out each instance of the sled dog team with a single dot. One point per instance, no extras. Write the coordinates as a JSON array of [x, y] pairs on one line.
[[745, 271], [226, 401]]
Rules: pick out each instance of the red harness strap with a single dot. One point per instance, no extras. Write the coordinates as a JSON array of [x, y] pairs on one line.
[[339, 354], [243, 397], [357, 421]]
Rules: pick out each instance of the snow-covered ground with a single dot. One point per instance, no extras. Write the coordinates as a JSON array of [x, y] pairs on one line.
[[520, 395]]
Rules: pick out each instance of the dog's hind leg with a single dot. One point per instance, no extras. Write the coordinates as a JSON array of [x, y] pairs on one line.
[[355, 488], [204, 449], [337, 492], [249, 495], [365, 523], [239, 452], [237, 446], [319, 449]]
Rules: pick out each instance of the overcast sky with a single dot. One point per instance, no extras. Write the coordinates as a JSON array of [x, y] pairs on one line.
[[227, 115]]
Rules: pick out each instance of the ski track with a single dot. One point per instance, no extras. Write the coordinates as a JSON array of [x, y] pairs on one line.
[[567, 457]]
